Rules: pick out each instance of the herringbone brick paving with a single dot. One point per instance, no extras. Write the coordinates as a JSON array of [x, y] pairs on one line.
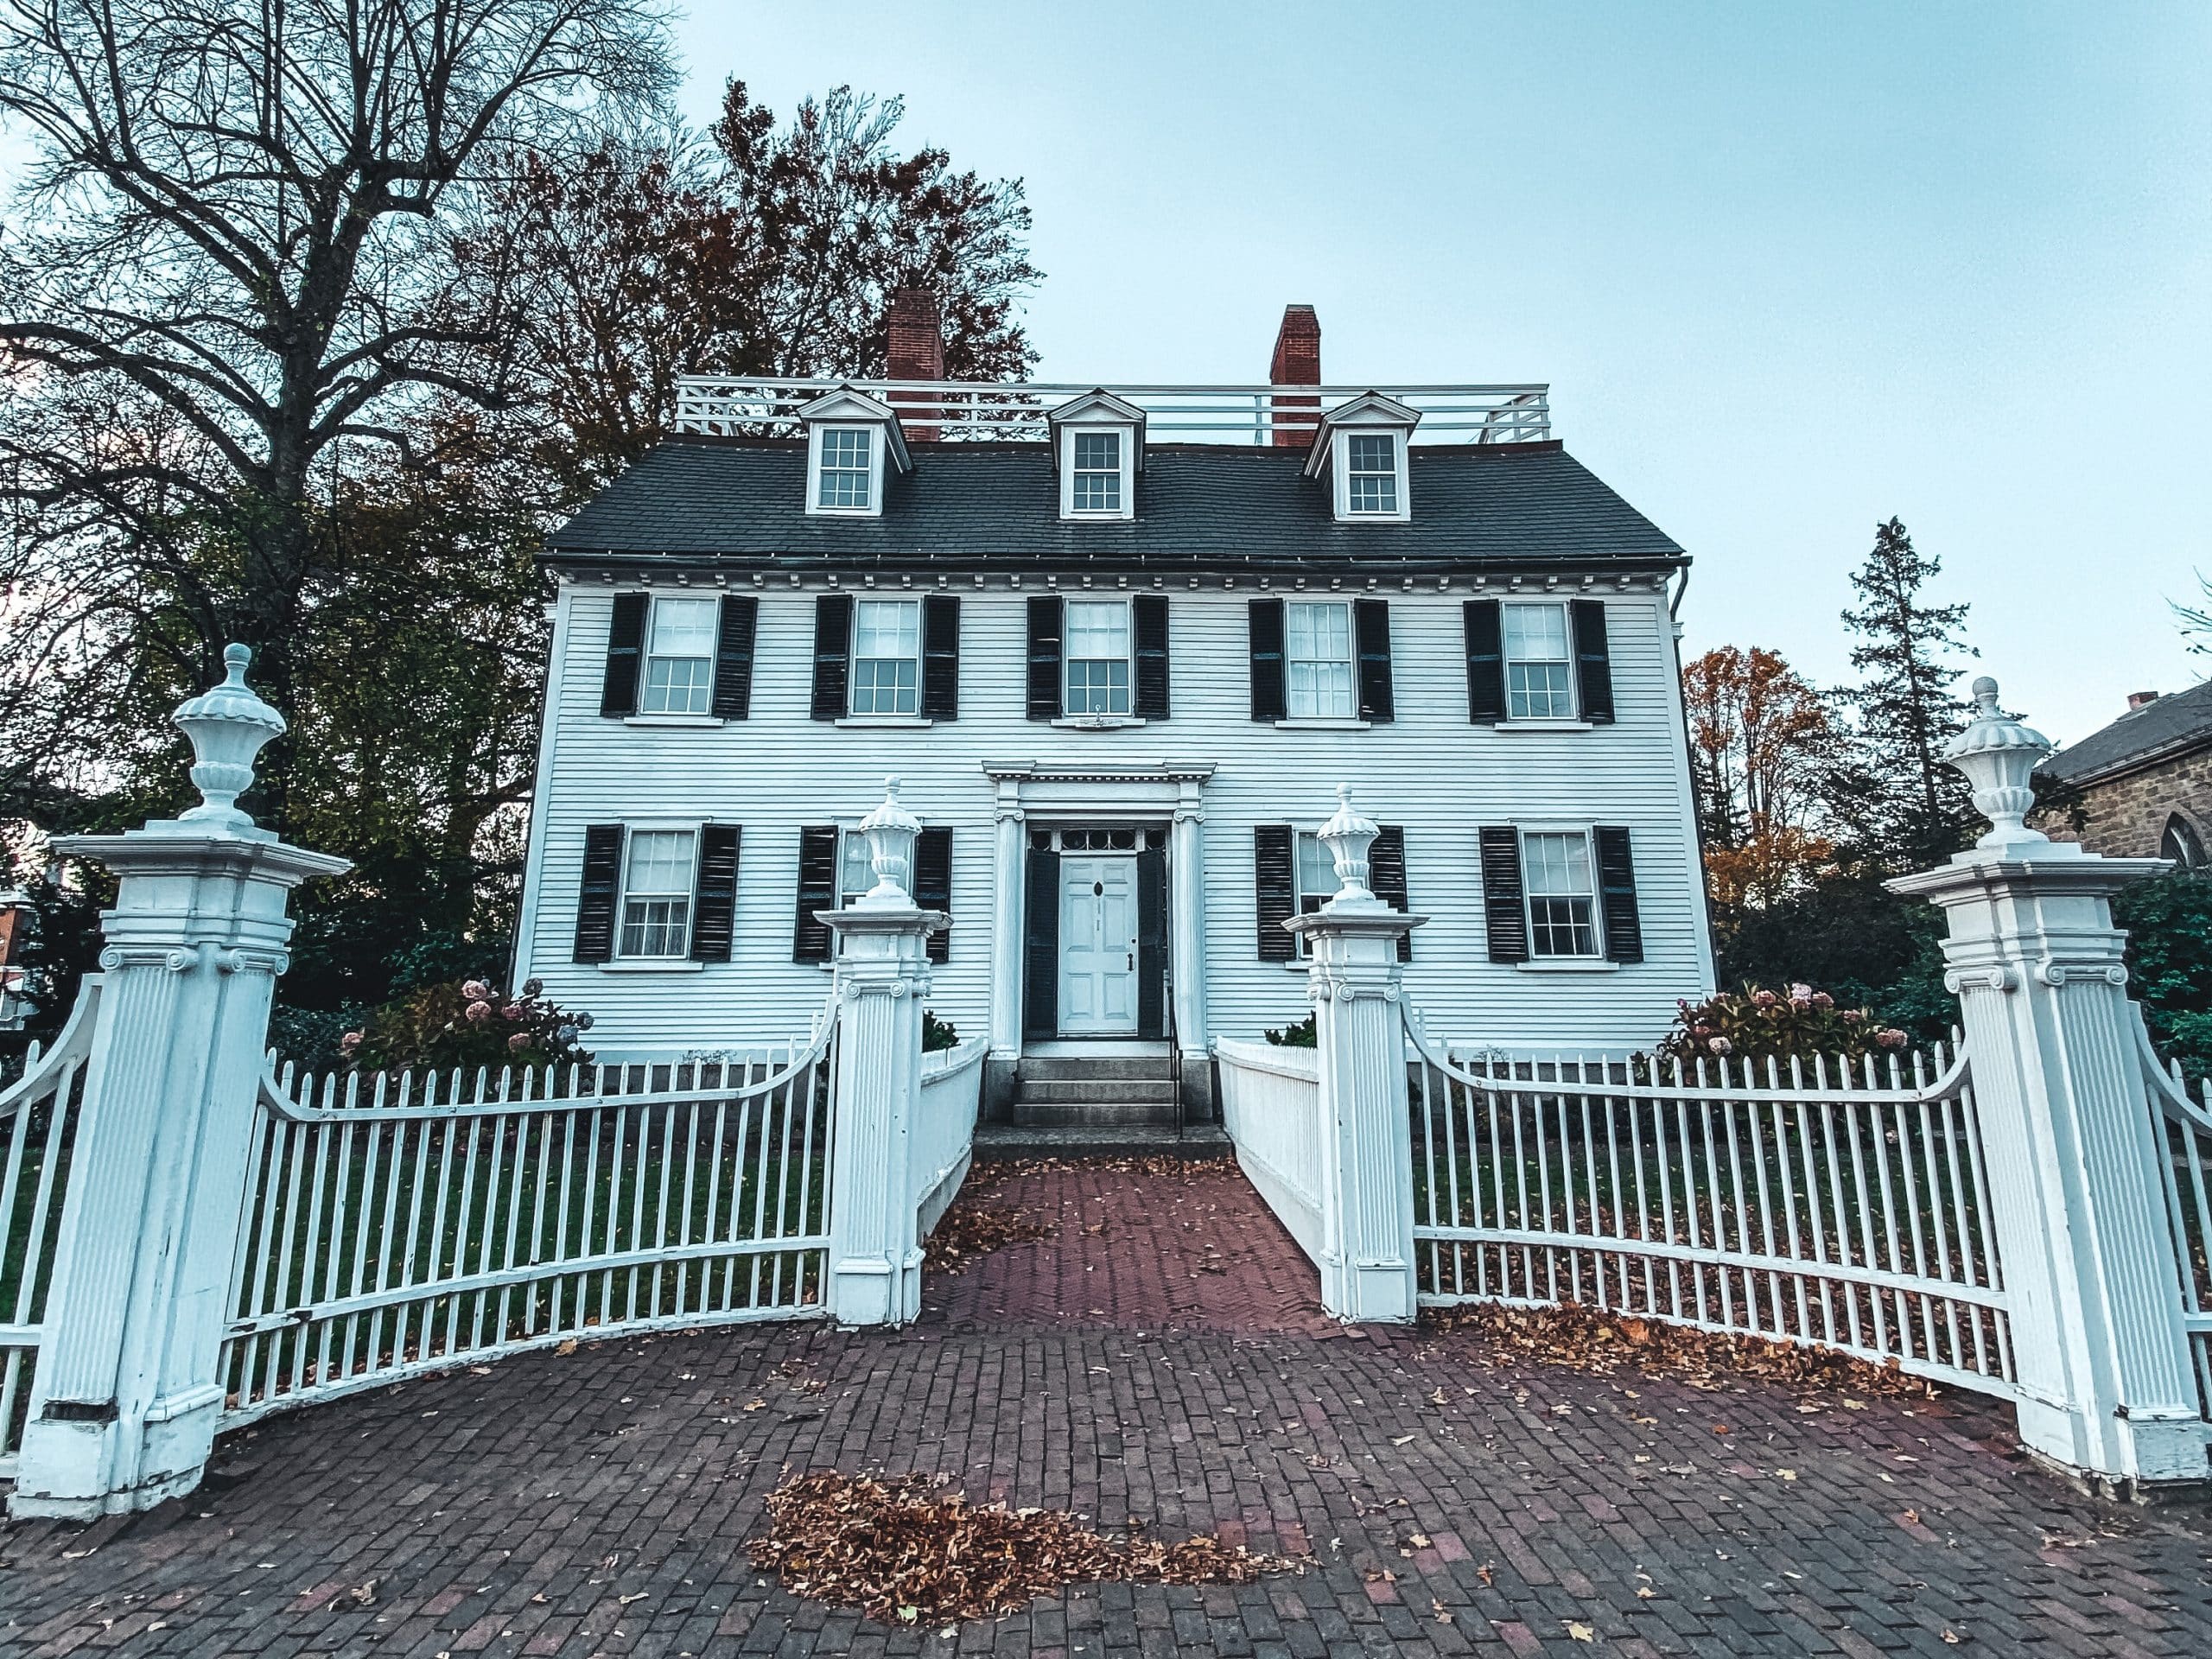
[[1171, 1366]]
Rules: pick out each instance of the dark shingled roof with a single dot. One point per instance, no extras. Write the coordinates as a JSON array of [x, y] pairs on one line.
[[1197, 505], [2182, 721]]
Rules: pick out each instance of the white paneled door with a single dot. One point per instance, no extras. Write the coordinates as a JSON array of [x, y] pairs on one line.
[[1098, 946]]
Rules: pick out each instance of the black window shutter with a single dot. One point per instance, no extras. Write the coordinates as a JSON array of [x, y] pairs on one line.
[[1486, 662], [1617, 896], [1268, 703], [818, 890], [626, 647], [833, 644], [740, 615], [1151, 942], [1148, 621], [1041, 1002], [714, 903], [1045, 626], [1371, 635], [1503, 907], [1593, 661], [940, 659], [934, 883], [1386, 874], [602, 876], [1274, 893]]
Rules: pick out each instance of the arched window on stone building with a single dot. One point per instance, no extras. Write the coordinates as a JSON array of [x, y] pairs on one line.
[[2181, 844]]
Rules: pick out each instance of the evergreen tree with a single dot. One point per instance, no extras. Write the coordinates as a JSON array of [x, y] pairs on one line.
[[1902, 807]]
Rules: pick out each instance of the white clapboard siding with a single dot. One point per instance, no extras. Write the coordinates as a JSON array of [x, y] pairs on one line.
[[1430, 770]]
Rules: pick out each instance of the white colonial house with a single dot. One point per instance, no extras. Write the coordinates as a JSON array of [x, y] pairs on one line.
[[1120, 646]]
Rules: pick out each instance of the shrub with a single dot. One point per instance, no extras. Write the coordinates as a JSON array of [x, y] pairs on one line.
[[1301, 1036], [937, 1033], [467, 1023], [1758, 1024]]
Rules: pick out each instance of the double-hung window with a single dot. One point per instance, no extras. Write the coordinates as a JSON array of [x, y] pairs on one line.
[[1371, 482], [1097, 486], [656, 888], [887, 657], [1317, 879], [847, 470], [1097, 654], [679, 657], [1562, 901], [1317, 660], [1538, 661]]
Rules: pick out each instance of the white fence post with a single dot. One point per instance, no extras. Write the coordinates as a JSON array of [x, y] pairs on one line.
[[123, 1412], [1367, 1194], [876, 1253], [2101, 1351]]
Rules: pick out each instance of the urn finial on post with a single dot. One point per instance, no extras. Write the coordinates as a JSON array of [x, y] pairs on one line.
[[891, 831], [1349, 836], [1998, 755], [228, 725]]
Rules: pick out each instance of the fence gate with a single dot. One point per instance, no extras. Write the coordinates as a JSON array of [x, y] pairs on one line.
[[1841, 1206], [430, 1218], [38, 1132]]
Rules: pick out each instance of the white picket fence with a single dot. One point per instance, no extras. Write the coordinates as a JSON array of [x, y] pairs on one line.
[[1844, 1206], [944, 1135], [1271, 1108], [400, 1224], [38, 1127], [2184, 1133]]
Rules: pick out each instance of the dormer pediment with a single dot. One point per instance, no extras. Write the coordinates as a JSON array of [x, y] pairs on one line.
[[1100, 407]]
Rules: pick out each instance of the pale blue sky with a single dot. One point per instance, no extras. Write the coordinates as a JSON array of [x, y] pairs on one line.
[[1788, 269]]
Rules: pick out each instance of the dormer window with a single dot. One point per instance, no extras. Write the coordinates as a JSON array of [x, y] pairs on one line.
[[853, 444], [1098, 444], [846, 473], [1362, 446], [1097, 472], [1371, 480]]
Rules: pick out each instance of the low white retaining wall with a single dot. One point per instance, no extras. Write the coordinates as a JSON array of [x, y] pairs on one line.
[[1271, 1106], [944, 1129]]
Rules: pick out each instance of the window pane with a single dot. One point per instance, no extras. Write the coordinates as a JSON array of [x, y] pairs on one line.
[[888, 627], [1556, 869], [1536, 633], [1371, 484], [1099, 451], [656, 893], [1317, 869], [886, 657], [886, 686], [845, 468], [1317, 679], [1096, 485], [678, 685], [1371, 452], [855, 873], [1098, 628]]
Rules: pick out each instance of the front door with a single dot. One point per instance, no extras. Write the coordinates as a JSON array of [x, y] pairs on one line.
[[1098, 946]]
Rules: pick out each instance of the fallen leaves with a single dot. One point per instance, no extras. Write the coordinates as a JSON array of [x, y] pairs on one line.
[[1579, 1630], [900, 1553], [1602, 1342], [974, 1227]]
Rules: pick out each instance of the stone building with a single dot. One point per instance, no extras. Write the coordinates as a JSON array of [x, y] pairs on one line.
[[2141, 785]]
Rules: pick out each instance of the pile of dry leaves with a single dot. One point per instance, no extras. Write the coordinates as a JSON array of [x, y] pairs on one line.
[[1601, 1342], [974, 1227], [904, 1550]]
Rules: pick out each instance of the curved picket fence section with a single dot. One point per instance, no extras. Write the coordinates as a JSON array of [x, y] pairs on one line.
[[395, 1225], [944, 1136], [38, 1132], [1271, 1107], [1845, 1208], [2185, 1133]]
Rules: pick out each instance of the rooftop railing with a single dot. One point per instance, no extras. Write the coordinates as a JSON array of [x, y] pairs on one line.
[[1020, 409]]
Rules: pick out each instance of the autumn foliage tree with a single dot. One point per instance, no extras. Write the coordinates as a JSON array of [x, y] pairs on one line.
[[1763, 741]]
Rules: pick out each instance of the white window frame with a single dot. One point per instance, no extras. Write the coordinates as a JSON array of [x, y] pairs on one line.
[[1350, 662], [648, 657], [1508, 661], [816, 432], [853, 660], [1300, 839], [1129, 660], [1340, 470], [1125, 490], [682, 955], [1596, 953]]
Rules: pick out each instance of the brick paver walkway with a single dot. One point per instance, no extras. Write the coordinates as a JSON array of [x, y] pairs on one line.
[[1159, 1356]]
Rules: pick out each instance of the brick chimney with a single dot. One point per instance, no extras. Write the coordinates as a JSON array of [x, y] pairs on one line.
[[2140, 699], [1297, 362], [916, 350]]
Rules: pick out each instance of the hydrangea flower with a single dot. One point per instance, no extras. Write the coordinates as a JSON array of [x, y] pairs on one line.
[[475, 990], [479, 1011]]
